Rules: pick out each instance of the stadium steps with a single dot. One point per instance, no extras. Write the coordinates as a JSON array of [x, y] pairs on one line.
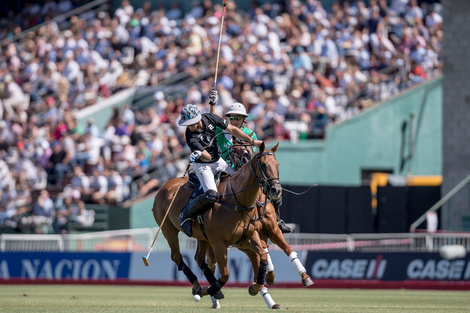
[[101, 221]]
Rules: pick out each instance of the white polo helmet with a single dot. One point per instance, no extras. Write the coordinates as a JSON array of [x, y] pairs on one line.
[[236, 108]]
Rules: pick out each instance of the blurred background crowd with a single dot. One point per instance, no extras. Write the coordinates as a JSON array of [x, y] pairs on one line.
[[296, 66]]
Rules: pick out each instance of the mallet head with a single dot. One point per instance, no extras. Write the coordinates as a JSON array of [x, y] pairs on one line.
[[146, 262]]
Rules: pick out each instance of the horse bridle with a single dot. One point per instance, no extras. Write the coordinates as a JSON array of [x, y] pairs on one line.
[[264, 182]]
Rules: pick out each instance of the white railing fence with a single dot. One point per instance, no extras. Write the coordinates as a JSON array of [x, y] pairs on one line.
[[134, 240]]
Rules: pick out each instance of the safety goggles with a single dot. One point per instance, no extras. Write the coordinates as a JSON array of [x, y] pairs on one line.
[[237, 118]]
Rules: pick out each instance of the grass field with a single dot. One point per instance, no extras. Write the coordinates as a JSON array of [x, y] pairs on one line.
[[84, 298]]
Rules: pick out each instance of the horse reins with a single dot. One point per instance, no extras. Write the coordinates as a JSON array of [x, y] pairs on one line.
[[261, 182], [239, 163], [265, 180]]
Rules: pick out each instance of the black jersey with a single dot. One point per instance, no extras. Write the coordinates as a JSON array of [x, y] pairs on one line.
[[205, 139]]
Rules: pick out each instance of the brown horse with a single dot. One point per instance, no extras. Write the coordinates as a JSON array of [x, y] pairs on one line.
[[241, 153], [226, 224]]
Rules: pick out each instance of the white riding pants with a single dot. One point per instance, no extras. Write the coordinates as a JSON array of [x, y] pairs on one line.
[[205, 172]]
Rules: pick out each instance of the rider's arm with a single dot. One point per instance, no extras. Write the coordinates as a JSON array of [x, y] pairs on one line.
[[253, 135], [238, 133], [205, 156]]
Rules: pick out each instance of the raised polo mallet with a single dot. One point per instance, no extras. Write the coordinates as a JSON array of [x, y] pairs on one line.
[[218, 50], [220, 39], [146, 258]]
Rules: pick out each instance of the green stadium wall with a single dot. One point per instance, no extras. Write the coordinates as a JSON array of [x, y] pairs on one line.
[[376, 139], [141, 215]]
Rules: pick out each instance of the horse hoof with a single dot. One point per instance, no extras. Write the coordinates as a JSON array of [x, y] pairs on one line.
[[277, 307], [270, 278], [202, 291], [307, 282], [215, 304], [254, 289], [219, 295]]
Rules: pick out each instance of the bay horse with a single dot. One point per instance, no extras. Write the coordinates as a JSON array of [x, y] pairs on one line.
[[240, 153], [225, 224]]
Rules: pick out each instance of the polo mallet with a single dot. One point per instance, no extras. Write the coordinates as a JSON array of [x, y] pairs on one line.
[[146, 258], [218, 50], [220, 39]]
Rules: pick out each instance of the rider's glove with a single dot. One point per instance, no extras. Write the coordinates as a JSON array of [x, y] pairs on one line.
[[194, 156], [213, 96]]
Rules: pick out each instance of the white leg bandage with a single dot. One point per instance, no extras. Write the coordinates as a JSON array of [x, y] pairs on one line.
[[296, 262], [270, 267], [267, 297]]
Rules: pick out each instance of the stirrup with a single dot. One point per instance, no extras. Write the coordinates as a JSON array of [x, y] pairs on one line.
[[187, 227], [186, 224]]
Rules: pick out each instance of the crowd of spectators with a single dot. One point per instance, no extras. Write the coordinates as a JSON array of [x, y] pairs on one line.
[[295, 65]]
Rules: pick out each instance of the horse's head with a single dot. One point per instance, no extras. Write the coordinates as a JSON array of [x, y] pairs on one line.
[[266, 169]]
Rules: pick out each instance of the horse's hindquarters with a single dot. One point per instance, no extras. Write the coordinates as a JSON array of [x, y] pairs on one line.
[[167, 196]]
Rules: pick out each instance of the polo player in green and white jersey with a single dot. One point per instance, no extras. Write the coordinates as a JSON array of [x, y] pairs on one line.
[[237, 115]]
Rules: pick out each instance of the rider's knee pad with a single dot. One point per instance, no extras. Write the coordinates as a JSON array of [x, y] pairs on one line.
[[212, 195]]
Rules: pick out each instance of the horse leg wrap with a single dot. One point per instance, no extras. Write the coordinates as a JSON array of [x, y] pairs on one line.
[[261, 279], [267, 298], [270, 267], [187, 271], [215, 303], [296, 262], [208, 273], [215, 287]]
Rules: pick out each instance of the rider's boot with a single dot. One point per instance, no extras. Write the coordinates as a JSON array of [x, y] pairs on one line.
[[196, 207], [280, 223]]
